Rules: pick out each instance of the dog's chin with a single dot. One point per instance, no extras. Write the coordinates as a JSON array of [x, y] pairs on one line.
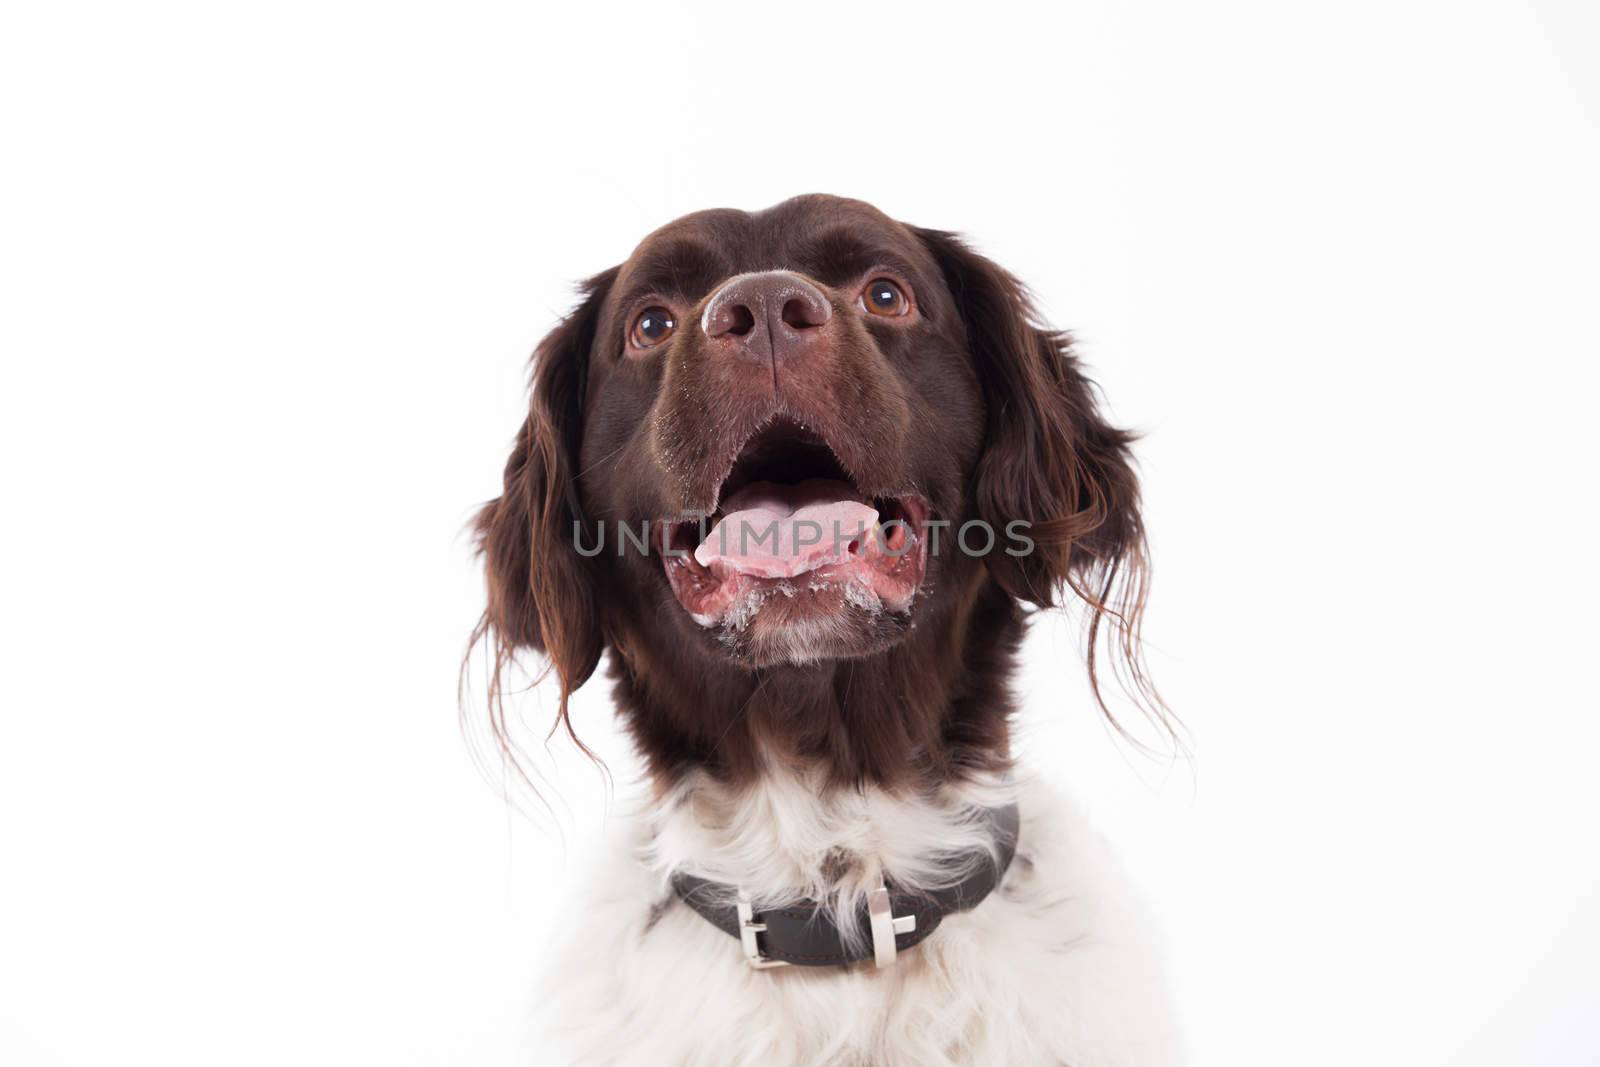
[[809, 629]]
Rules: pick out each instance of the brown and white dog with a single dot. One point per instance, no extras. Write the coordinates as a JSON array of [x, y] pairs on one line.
[[824, 720]]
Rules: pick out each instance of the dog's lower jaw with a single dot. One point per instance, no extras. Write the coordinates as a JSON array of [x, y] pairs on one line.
[[930, 709], [1056, 966]]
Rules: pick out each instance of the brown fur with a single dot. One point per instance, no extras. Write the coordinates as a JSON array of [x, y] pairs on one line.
[[971, 403]]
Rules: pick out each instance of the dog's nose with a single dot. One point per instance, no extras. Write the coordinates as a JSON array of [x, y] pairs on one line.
[[767, 317]]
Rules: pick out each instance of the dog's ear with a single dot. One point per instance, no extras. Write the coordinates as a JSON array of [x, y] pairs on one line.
[[1051, 460], [541, 591]]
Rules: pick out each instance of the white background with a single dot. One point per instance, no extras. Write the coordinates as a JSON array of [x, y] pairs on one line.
[[270, 278]]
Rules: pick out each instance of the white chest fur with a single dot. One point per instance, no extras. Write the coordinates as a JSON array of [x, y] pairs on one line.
[[1056, 967]]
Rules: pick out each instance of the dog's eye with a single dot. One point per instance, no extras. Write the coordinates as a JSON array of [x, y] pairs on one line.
[[883, 297], [653, 326]]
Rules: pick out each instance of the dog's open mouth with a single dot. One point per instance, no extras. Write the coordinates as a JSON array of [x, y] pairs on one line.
[[791, 524]]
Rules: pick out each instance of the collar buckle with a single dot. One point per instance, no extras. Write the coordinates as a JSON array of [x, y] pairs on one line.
[[885, 924], [748, 929]]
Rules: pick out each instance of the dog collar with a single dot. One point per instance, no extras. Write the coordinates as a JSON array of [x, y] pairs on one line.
[[804, 933]]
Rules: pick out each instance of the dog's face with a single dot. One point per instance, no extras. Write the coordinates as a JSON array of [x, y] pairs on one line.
[[816, 372], [810, 357]]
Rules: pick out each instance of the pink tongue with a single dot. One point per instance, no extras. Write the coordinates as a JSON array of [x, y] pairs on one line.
[[779, 531]]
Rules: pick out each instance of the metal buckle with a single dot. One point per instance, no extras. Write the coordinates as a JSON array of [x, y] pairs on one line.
[[748, 929], [885, 925]]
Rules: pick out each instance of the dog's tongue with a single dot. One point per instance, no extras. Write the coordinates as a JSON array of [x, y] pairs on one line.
[[779, 531]]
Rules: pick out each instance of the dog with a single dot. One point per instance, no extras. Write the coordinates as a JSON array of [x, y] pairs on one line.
[[838, 859]]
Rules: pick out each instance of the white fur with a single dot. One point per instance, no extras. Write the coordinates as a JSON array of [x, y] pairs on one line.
[[1054, 968]]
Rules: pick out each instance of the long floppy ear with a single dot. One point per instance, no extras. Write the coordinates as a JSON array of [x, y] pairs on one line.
[[1053, 461], [540, 591]]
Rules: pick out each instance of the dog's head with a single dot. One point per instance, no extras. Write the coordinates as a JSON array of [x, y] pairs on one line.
[[786, 439]]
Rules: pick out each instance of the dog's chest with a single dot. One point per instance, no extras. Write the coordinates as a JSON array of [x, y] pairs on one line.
[[1055, 967]]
